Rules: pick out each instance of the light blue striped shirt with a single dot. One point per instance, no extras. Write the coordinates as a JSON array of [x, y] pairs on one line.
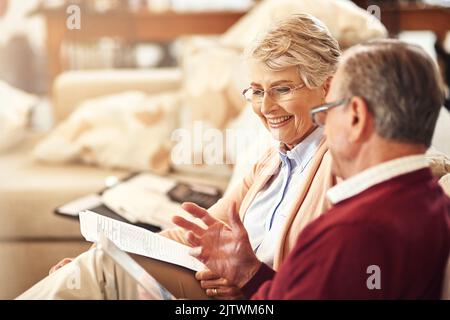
[[266, 215]]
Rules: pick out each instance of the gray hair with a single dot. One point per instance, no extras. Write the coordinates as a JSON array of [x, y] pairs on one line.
[[401, 86], [302, 41]]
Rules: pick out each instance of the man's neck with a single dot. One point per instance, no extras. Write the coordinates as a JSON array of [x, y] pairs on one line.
[[379, 151]]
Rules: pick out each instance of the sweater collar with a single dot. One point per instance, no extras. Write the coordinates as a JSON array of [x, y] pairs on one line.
[[375, 175]]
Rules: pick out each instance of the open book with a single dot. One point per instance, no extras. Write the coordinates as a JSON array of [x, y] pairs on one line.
[[137, 240]]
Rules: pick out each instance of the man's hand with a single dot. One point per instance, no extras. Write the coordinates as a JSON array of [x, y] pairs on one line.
[[211, 282], [225, 250]]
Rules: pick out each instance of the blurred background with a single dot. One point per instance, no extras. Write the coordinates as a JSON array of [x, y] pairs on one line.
[[35, 47], [92, 91]]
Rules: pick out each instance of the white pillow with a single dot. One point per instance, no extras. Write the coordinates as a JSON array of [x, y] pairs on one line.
[[15, 110], [212, 76], [348, 23], [441, 140], [445, 183], [128, 130], [252, 141]]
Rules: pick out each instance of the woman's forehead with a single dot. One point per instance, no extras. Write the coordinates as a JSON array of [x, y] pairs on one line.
[[262, 75]]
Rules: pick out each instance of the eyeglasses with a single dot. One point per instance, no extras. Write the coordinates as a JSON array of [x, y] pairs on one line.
[[277, 93], [319, 113]]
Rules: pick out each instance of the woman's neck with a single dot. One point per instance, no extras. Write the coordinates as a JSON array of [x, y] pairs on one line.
[[292, 146]]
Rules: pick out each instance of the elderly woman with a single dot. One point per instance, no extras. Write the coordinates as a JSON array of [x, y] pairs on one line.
[[291, 69]]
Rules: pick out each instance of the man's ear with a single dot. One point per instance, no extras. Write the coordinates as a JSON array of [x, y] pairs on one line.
[[361, 120]]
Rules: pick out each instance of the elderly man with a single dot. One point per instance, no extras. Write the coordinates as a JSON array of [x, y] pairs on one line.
[[387, 235]]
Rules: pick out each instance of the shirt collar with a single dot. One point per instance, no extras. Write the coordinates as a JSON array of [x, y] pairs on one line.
[[303, 152], [375, 175]]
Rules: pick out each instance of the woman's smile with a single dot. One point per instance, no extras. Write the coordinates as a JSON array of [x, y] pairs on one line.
[[278, 122]]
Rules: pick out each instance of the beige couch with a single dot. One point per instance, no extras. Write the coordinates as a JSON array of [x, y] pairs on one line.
[[32, 237]]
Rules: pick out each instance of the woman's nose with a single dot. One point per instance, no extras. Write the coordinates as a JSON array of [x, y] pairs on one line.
[[267, 104]]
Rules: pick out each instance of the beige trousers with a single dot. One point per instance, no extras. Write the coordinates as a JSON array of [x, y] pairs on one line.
[[95, 276]]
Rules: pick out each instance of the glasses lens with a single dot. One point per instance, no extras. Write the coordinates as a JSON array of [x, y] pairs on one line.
[[277, 94], [248, 95], [254, 96], [281, 93]]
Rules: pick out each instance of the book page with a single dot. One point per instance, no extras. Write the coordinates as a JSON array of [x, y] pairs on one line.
[[137, 240]]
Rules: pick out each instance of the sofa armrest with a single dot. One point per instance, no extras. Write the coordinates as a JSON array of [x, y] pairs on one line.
[[73, 87]]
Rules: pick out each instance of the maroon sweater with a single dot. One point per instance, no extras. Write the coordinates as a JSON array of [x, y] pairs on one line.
[[401, 225]]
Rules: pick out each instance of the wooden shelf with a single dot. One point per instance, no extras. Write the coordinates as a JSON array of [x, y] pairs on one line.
[[133, 27]]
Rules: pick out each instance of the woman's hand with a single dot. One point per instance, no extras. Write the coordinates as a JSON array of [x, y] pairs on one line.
[[60, 264], [225, 250], [65, 261], [217, 287]]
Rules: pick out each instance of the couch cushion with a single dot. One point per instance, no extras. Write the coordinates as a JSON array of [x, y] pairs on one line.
[[29, 193], [24, 263], [15, 113], [72, 88]]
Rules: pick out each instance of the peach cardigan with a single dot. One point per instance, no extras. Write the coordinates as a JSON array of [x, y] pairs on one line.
[[311, 201]]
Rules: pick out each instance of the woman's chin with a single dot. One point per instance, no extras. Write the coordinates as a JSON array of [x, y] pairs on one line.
[[282, 137]]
